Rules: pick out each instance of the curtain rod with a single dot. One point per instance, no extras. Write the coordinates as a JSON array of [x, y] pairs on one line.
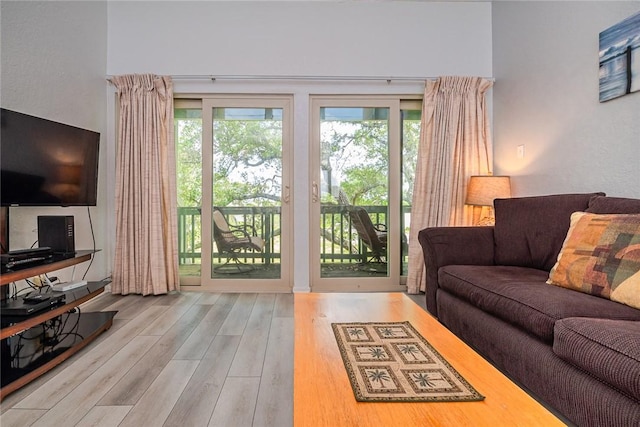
[[387, 79]]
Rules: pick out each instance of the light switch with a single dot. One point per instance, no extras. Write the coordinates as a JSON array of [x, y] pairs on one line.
[[520, 151]]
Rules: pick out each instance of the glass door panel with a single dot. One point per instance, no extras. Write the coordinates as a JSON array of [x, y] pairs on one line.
[[351, 196], [247, 195], [410, 137], [247, 172], [188, 139], [354, 191]]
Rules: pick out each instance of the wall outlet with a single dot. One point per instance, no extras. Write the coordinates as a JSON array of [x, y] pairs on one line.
[[520, 151]]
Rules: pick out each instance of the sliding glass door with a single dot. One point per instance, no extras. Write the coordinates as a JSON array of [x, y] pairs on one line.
[[243, 193], [234, 174], [356, 234]]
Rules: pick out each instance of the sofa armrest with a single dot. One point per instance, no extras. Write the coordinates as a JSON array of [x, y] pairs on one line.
[[453, 246]]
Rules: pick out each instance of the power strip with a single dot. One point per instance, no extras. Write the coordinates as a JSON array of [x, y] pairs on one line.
[[67, 286]]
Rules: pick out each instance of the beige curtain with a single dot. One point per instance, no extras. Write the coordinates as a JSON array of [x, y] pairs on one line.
[[146, 258], [455, 143]]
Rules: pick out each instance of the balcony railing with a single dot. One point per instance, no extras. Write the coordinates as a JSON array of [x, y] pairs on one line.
[[340, 242]]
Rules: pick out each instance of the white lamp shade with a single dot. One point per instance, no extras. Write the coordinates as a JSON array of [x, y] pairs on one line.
[[483, 190]]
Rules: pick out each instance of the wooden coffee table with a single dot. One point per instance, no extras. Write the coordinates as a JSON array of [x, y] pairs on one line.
[[323, 394]]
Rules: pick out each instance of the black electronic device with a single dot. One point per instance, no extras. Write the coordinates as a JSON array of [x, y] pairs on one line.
[[45, 163], [22, 307], [36, 298], [57, 233], [23, 258]]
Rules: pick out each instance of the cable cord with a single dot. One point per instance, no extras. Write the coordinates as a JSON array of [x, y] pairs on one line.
[[93, 237]]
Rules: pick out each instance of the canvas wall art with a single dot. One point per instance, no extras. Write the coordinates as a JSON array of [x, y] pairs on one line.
[[620, 59]]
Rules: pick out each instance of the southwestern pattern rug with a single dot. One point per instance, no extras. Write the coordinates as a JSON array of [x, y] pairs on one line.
[[392, 362]]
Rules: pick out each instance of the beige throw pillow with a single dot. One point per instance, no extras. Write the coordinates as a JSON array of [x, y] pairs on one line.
[[601, 256]]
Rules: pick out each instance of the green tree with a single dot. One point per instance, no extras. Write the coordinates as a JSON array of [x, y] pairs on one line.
[[357, 152], [411, 138], [189, 161], [247, 163], [247, 168]]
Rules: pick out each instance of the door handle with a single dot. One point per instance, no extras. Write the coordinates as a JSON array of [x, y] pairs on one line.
[[286, 197], [314, 192]]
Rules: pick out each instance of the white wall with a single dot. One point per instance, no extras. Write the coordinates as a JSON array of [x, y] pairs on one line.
[[300, 38], [53, 62], [545, 59], [304, 38]]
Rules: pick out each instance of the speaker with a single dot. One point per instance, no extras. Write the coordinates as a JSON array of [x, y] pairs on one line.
[[57, 232]]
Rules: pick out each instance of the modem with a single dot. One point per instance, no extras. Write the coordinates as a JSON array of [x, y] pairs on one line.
[[67, 286]]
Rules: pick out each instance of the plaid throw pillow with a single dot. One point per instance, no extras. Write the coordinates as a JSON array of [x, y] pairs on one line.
[[601, 256]]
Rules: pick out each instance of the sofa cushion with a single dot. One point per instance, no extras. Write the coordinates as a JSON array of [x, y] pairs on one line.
[[601, 256], [611, 205], [529, 231], [607, 349], [521, 297]]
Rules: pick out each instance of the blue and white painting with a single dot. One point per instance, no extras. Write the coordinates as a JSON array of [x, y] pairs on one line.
[[620, 59]]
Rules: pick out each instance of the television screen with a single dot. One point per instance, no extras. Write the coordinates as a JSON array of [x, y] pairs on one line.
[[44, 163]]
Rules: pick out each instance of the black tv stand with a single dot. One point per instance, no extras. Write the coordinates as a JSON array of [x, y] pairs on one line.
[[73, 329]]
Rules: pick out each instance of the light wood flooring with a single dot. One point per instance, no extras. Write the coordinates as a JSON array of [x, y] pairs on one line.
[[184, 359]]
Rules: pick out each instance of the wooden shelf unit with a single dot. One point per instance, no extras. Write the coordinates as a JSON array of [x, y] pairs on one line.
[[36, 270], [92, 324]]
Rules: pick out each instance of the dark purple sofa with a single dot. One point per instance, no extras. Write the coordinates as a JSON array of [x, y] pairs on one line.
[[577, 353]]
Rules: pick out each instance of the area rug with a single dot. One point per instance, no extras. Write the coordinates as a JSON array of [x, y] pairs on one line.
[[392, 362]]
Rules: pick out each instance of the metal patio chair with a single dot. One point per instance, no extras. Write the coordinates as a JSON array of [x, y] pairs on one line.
[[374, 236], [231, 241]]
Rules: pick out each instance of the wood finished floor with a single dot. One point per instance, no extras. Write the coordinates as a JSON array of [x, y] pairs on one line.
[[185, 359]]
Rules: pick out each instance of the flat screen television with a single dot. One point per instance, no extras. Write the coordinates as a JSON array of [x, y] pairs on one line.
[[45, 163]]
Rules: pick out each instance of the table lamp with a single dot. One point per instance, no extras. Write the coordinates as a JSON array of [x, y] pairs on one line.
[[484, 189]]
